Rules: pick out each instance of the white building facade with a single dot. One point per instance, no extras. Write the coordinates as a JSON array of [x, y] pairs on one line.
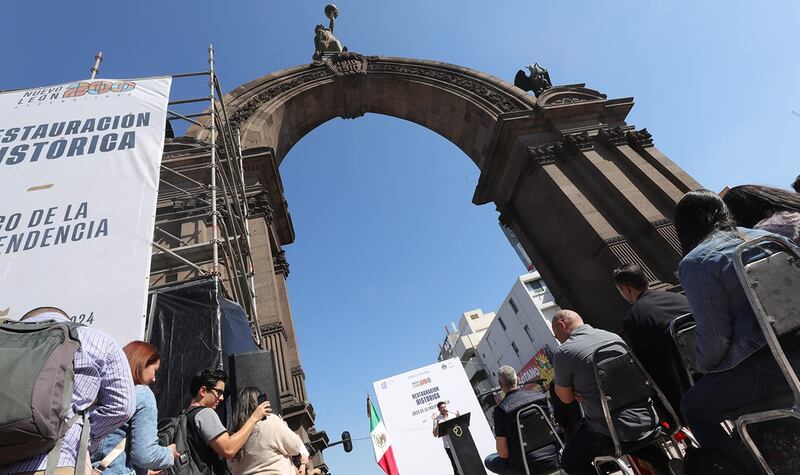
[[520, 334], [462, 343]]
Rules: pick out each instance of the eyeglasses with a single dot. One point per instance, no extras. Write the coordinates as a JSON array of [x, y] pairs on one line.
[[218, 392]]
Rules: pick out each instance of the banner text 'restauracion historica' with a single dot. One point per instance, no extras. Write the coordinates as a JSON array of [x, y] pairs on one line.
[[70, 138]]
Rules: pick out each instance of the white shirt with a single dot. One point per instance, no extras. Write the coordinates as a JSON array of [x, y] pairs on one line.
[[439, 419]]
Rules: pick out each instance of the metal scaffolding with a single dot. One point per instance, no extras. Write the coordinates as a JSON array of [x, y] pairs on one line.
[[202, 218]]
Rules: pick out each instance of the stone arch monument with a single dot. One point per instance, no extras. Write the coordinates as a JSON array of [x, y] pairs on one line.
[[583, 191]]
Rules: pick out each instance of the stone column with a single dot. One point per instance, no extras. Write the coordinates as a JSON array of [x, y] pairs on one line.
[[299, 383], [275, 339]]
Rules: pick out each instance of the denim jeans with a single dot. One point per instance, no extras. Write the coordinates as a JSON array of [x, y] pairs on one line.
[[718, 395], [496, 464], [542, 460]]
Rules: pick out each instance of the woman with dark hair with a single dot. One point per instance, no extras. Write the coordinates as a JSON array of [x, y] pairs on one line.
[[271, 446], [738, 368], [762, 207], [133, 448]]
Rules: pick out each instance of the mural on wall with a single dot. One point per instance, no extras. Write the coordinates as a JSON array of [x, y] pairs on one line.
[[539, 371]]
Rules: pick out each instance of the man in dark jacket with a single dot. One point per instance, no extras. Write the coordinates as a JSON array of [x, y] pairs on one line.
[[646, 329], [508, 459]]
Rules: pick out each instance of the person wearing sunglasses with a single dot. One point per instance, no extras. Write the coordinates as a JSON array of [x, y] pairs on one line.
[[209, 440]]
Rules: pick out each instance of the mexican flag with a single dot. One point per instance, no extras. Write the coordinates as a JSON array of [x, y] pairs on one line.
[[380, 441]]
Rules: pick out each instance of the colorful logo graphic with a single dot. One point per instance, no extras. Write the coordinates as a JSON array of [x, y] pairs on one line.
[[79, 89], [539, 367]]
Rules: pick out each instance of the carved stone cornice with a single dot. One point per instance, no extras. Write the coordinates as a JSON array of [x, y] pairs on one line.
[[642, 138], [272, 327], [346, 63], [505, 219], [500, 99], [244, 111], [615, 136], [614, 240], [298, 371], [570, 143], [280, 265], [260, 205], [661, 223], [354, 64], [577, 142], [560, 96], [188, 203], [543, 154]]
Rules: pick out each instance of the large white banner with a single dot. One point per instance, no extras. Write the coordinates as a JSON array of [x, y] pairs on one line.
[[79, 168], [408, 406]]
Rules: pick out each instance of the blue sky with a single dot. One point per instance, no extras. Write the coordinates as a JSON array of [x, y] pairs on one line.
[[389, 247]]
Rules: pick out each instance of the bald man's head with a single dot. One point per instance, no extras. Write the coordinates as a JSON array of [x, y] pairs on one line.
[[43, 310], [564, 321]]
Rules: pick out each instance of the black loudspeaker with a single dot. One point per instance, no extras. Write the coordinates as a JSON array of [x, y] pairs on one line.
[[257, 369]]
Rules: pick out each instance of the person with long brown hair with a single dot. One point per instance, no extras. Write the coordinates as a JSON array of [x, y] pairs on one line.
[[134, 448], [271, 445]]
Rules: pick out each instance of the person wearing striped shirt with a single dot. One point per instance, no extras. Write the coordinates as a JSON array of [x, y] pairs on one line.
[[103, 378]]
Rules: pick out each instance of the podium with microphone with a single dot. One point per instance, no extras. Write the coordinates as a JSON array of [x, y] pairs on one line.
[[465, 453]]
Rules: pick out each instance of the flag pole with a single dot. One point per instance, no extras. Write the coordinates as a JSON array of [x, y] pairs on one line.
[[96, 68]]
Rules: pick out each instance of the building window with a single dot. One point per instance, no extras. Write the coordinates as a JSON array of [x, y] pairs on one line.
[[536, 287], [502, 323], [474, 316], [513, 305], [516, 350], [528, 332]]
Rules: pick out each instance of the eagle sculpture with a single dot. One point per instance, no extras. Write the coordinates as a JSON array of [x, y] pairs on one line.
[[538, 81]]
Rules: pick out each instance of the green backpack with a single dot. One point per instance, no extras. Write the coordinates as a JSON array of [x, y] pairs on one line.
[[37, 367]]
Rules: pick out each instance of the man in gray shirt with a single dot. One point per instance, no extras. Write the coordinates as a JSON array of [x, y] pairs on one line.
[[575, 380], [209, 441]]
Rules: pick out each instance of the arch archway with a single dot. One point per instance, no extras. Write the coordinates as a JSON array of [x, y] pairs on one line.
[[581, 189]]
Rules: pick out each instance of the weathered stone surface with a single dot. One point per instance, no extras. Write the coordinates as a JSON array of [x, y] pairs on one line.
[[583, 190]]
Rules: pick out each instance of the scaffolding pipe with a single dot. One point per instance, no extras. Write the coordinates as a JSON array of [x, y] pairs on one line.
[[176, 256], [234, 259], [230, 255], [188, 101], [233, 151], [166, 233], [186, 75], [251, 271], [214, 237], [96, 68]]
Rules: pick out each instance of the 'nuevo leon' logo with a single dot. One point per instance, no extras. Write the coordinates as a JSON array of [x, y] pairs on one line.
[[78, 89], [74, 91]]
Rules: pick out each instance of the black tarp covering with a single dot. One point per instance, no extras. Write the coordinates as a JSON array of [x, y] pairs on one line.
[[183, 326]]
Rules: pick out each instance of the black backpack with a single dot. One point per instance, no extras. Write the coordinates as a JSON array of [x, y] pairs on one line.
[[196, 456]]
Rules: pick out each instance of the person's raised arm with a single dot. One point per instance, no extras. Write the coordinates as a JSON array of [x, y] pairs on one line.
[[228, 445]]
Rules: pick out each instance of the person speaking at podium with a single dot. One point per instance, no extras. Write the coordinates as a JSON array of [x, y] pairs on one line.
[[445, 415]]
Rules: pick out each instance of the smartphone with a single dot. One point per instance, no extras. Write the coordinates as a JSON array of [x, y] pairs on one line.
[[262, 398]]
